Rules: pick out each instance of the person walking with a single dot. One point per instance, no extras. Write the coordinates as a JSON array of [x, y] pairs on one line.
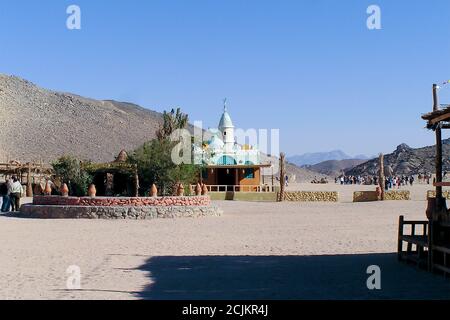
[[4, 193], [16, 194]]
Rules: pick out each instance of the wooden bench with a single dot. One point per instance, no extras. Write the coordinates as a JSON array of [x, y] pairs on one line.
[[417, 242]]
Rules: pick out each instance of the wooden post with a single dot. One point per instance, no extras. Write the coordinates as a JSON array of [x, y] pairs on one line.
[[381, 177], [282, 177], [400, 238], [438, 151], [29, 185], [136, 182], [271, 167]]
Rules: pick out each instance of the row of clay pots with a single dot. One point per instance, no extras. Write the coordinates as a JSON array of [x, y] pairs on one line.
[[200, 189]]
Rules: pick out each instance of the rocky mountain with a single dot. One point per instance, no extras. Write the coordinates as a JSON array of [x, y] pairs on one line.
[[406, 160], [309, 159], [335, 167], [40, 124]]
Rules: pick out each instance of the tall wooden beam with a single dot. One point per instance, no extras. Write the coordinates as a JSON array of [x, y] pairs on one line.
[[438, 161], [381, 177], [29, 184], [282, 176]]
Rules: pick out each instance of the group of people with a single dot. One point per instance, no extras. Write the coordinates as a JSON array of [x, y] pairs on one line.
[[398, 181], [425, 178], [355, 180], [390, 182], [10, 193]]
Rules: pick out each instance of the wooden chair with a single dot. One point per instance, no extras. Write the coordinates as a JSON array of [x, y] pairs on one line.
[[417, 242]]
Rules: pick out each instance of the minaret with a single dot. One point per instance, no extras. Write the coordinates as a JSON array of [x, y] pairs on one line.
[[227, 129]]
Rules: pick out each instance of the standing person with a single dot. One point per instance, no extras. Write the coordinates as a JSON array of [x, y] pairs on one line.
[[4, 193], [411, 180], [16, 194]]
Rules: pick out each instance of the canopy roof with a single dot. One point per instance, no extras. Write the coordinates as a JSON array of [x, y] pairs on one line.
[[238, 166], [441, 115]]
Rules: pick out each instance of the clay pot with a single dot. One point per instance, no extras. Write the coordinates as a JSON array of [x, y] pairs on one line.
[[153, 191], [48, 189], [198, 189], [180, 190], [64, 190], [37, 189], [379, 194], [204, 190], [92, 191]]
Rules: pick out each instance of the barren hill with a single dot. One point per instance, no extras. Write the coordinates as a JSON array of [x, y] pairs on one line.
[[42, 124], [406, 160]]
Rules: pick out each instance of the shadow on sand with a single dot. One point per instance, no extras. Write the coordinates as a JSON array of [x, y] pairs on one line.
[[287, 277]]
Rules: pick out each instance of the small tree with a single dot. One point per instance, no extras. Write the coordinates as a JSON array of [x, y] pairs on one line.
[[71, 171], [154, 158], [155, 166]]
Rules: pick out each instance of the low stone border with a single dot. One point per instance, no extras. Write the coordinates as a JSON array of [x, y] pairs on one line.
[[122, 201], [432, 194], [367, 196], [311, 196], [397, 195], [117, 212]]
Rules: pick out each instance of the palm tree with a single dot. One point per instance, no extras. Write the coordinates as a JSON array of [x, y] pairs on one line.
[[173, 120]]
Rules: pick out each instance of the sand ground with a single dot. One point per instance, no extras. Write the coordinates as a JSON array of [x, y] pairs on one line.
[[254, 251]]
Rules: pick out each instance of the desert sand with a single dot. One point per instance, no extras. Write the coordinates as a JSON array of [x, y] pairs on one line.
[[254, 251]]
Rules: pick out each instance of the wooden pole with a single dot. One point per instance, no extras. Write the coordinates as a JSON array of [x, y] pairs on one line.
[[271, 167], [29, 185], [438, 150], [381, 177], [282, 177], [136, 182]]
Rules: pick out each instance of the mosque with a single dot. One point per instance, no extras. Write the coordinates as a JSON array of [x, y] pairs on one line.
[[229, 166]]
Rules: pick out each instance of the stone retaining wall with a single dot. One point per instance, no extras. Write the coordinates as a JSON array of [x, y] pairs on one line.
[[119, 202], [366, 196], [397, 195], [120, 212], [311, 196], [432, 194]]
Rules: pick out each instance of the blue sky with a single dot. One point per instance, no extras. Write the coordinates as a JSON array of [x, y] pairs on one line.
[[308, 67]]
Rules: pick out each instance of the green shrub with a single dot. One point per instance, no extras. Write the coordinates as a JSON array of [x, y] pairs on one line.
[[70, 170]]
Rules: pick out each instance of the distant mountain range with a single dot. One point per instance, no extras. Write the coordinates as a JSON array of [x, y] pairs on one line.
[[335, 168], [406, 160], [310, 159]]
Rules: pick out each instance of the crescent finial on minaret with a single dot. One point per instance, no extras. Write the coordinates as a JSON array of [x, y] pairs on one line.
[[225, 104]]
